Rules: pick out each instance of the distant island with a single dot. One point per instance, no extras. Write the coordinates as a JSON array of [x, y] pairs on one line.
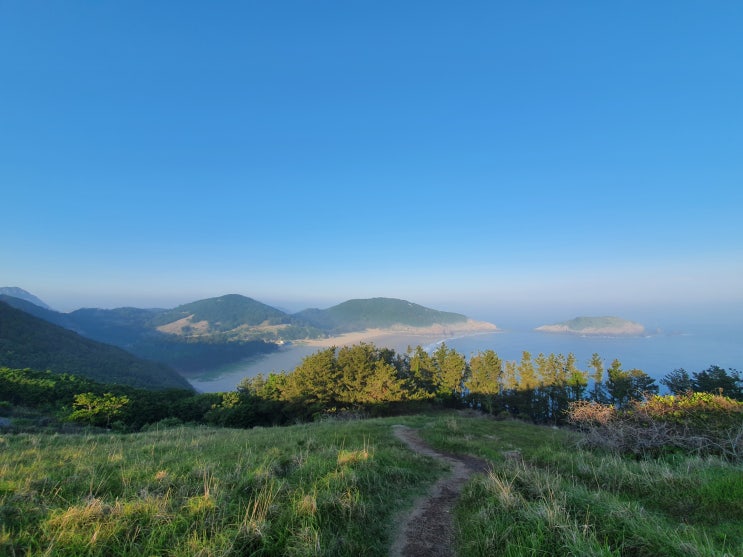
[[613, 326]]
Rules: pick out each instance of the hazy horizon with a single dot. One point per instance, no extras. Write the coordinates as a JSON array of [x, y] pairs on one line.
[[667, 318], [527, 159]]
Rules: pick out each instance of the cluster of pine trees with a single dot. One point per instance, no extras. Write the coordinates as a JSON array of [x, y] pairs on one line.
[[369, 380], [376, 380]]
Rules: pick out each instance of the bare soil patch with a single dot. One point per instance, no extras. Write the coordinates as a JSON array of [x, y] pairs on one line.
[[428, 530]]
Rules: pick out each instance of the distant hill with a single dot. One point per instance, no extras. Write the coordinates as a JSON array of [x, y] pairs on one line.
[[16, 292], [219, 315], [37, 311], [595, 326], [372, 313], [124, 327], [29, 342], [208, 333]]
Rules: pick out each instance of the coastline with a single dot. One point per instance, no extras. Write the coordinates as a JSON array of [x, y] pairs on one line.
[[399, 337]]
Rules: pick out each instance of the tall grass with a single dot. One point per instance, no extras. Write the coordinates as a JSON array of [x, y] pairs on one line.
[[320, 489], [544, 496], [336, 489]]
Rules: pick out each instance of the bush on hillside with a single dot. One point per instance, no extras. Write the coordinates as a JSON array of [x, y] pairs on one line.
[[700, 423]]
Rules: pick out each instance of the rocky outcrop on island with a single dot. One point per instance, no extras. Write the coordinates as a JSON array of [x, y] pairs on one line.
[[611, 326]]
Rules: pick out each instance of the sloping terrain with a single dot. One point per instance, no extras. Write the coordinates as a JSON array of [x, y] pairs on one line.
[[216, 331], [357, 315], [220, 315], [29, 342]]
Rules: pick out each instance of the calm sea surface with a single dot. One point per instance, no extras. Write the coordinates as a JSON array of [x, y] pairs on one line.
[[655, 354]]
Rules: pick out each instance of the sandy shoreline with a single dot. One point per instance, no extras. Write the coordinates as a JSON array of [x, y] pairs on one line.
[[400, 337]]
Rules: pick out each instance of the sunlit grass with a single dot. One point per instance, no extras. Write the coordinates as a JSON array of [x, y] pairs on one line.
[[337, 488], [555, 499], [330, 489]]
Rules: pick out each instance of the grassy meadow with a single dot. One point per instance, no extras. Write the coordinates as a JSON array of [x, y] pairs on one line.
[[337, 488]]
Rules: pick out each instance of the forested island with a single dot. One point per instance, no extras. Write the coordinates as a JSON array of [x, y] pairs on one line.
[[612, 326]]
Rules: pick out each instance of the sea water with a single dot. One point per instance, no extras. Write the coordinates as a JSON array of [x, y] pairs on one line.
[[693, 348]]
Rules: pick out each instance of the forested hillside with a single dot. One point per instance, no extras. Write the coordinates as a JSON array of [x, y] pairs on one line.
[[223, 314], [357, 315], [29, 342], [216, 331]]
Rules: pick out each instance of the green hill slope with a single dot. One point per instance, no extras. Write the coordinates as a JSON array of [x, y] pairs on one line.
[[357, 315], [222, 314], [29, 342]]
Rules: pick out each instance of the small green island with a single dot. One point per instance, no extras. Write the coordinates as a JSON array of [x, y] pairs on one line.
[[595, 326]]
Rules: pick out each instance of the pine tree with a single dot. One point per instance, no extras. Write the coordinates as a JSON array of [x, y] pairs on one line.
[[485, 381]]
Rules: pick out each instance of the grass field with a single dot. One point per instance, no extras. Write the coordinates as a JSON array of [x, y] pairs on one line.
[[337, 488]]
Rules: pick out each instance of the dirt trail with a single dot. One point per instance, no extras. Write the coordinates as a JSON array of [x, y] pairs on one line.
[[428, 530]]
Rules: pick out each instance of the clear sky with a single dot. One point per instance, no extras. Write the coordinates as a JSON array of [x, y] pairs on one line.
[[462, 155]]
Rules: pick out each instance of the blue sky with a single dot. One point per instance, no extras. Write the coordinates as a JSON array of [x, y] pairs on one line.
[[581, 155]]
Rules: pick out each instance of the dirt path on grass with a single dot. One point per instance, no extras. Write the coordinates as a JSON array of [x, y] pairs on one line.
[[428, 530]]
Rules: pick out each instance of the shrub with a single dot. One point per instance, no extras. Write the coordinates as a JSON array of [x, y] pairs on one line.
[[700, 423], [698, 411]]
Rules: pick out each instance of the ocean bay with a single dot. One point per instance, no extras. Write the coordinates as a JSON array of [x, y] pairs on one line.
[[656, 354]]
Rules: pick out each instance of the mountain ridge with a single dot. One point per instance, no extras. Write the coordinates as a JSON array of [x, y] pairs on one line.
[[27, 341], [226, 329], [371, 313], [22, 294]]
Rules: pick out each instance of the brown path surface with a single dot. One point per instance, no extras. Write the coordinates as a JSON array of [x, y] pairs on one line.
[[429, 530]]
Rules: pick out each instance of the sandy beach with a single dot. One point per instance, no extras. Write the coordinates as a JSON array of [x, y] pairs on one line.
[[400, 337]]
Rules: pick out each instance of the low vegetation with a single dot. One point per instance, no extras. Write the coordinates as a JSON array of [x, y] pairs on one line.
[[692, 423], [337, 487]]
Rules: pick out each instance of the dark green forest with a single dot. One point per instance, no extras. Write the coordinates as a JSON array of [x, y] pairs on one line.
[[27, 341]]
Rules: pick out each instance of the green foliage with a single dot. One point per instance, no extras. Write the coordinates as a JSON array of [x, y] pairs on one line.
[[713, 380], [55, 394], [451, 372], [678, 381], [700, 423], [485, 380], [97, 410], [623, 387], [699, 412], [359, 376]]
